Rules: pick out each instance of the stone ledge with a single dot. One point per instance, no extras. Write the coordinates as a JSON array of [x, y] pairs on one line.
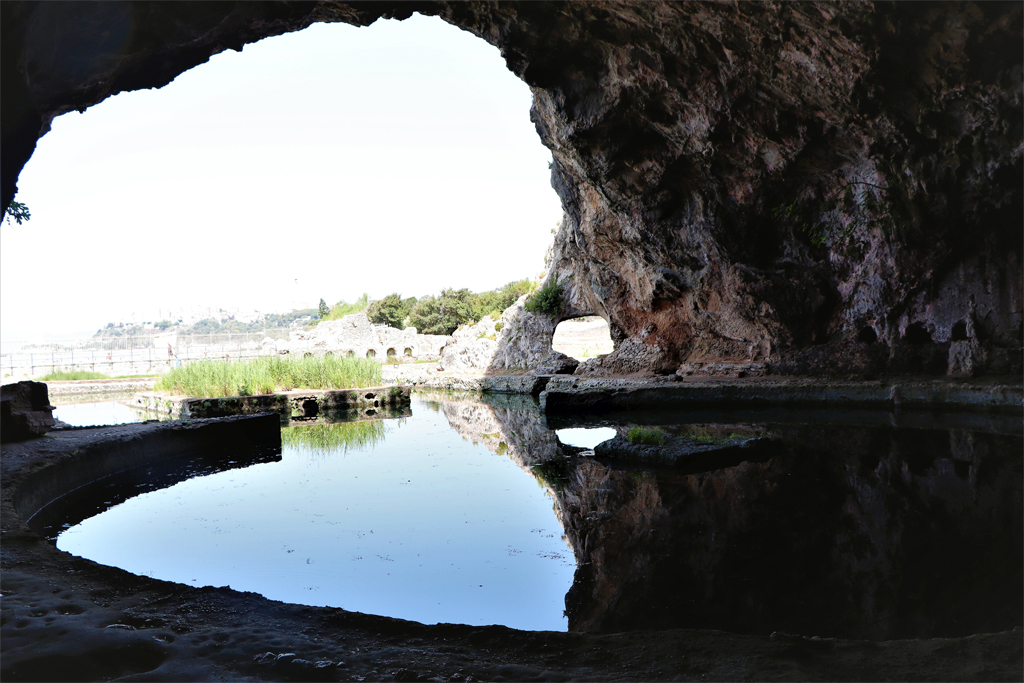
[[299, 403], [571, 394], [100, 386]]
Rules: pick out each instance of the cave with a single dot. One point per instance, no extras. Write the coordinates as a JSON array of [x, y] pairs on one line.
[[732, 177], [793, 185]]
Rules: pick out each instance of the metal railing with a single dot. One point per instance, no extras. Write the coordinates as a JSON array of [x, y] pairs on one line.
[[149, 354]]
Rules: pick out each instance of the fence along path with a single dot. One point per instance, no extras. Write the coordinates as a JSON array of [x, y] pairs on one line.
[[130, 355]]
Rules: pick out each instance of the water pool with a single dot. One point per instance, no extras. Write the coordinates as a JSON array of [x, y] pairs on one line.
[[851, 524], [90, 413], [405, 518]]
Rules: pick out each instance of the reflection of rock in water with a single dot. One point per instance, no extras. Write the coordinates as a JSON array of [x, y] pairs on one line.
[[507, 424], [860, 532], [853, 530]]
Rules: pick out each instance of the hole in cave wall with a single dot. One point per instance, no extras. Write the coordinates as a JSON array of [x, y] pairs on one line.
[[486, 125], [867, 335], [959, 332], [917, 333], [584, 337]]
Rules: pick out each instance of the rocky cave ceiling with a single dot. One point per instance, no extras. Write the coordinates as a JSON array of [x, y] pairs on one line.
[[815, 188]]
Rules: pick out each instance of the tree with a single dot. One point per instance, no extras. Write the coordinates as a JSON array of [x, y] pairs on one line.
[[324, 309], [442, 315], [391, 310], [18, 211]]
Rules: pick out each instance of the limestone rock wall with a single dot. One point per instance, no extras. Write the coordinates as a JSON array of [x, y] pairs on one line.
[[821, 188]]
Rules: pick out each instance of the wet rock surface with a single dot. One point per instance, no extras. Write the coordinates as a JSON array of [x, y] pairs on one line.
[[829, 189]]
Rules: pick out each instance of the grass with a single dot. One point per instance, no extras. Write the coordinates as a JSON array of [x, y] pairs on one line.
[[648, 437], [214, 379], [69, 375], [324, 439]]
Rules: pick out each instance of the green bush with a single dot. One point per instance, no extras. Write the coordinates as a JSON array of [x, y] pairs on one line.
[[648, 437], [547, 299]]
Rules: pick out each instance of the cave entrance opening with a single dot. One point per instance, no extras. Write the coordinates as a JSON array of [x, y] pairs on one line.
[[383, 147], [583, 338]]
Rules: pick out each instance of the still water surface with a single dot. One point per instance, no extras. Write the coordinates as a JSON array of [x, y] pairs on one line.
[[404, 518], [95, 413], [852, 524]]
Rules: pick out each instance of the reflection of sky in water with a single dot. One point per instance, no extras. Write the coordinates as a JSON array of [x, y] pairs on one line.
[[96, 413], [585, 438], [422, 525]]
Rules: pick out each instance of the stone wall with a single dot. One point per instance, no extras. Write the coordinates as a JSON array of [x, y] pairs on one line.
[[355, 335]]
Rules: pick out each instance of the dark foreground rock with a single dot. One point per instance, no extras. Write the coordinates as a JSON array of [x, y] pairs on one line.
[[25, 411], [66, 618]]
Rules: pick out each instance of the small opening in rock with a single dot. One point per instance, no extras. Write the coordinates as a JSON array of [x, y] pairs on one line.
[[371, 353], [583, 338], [917, 334], [867, 335], [329, 353], [408, 352], [310, 408], [959, 332], [371, 395], [307, 355], [351, 354], [962, 468], [392, 353]]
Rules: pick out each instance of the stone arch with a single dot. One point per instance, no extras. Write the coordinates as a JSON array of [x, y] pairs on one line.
[[583, 337], [408, 352], [370, 353], [350, 354], [392, 353]]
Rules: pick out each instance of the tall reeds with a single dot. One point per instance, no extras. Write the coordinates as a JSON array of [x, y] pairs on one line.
[[213, 379]]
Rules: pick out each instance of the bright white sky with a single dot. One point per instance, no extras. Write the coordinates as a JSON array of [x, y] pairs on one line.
[[397, 157]]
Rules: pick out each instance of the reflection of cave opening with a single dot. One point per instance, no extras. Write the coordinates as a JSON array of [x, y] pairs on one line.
[[583, 338]]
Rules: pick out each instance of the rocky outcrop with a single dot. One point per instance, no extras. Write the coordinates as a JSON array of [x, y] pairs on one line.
[[824, 188], [25, 411]]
